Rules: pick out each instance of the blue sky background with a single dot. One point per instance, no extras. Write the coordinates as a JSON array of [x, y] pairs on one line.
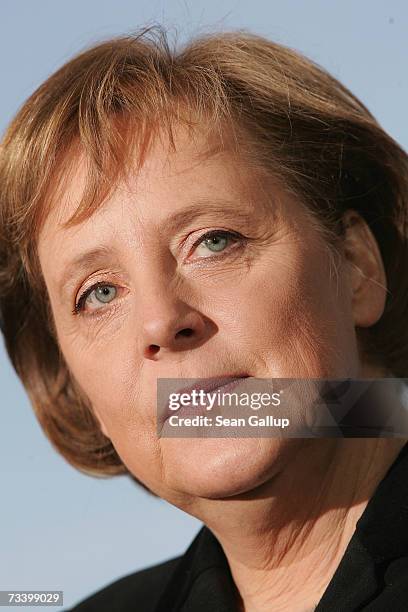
[[60, 529]]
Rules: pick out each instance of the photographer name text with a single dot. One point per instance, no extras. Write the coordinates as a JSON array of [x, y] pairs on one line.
[[252, 420]]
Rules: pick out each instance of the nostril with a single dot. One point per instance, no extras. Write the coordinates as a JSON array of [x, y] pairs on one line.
[[154, 348], [187, 331]]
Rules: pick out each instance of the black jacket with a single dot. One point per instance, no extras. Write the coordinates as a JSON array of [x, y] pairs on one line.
[[372, 575]]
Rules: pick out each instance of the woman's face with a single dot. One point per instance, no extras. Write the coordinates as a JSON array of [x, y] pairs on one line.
[[264, 301]]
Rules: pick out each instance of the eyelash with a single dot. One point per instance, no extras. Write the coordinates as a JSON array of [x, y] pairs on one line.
[[79, 306]]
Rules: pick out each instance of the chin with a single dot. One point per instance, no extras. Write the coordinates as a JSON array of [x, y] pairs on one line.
[[215, 468]]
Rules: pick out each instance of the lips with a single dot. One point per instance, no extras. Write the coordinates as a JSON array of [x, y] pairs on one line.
[[226, 382], [210, 384]]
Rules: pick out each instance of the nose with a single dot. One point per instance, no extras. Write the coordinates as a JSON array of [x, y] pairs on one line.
[[169, 324]]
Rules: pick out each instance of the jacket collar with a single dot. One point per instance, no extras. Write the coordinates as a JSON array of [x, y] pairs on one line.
[[382, 528], [202, 581], [378, 550]]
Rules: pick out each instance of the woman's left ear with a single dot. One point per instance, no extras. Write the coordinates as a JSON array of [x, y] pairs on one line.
[[367, 275]]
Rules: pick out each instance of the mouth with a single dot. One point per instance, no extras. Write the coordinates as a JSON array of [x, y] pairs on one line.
[[225, 382], [213, 383]]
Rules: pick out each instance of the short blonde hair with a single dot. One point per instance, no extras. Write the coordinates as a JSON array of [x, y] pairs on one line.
[[286, 115]]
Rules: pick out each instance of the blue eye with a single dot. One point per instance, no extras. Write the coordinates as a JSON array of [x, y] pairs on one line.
[[101, 292], [216, 241]]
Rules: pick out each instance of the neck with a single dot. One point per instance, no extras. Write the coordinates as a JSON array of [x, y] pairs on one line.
[[285, 540]]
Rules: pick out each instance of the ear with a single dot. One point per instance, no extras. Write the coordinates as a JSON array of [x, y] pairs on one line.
[[366, 270]]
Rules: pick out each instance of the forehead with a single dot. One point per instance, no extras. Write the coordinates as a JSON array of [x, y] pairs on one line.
[[200, 163]]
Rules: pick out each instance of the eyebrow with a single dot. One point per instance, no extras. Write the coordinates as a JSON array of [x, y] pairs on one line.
[[227, 208], [172, 222], [84, 261]]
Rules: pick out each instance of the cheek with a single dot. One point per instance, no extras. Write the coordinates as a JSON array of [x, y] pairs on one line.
[[129, 420], [113, 390], [293, 315]]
